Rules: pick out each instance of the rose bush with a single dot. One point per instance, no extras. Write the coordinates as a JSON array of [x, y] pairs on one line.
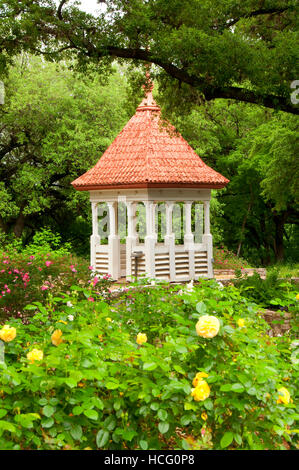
[[96, 387], [28, 278]]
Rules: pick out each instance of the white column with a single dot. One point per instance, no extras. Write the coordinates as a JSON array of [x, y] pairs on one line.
[[207, 217], [95, 239], [188, 236], [113, 241], [131, 239], [150, 239], [169, 239], [207, 238]]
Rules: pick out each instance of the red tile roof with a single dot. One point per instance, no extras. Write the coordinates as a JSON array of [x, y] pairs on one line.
[[149, 154]]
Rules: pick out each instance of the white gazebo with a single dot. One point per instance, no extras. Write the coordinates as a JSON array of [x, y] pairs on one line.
[[150, 166]]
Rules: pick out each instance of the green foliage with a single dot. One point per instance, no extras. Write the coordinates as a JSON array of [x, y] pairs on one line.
[[44, 241], [55, 125], [271, 292], [256, 149], [227, 49], [99, 389]]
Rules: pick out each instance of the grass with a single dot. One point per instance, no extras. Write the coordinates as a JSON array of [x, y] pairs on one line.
[[285, 270]]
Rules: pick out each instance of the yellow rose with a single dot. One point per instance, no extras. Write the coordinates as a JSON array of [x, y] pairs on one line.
[[141, 338], [207, 326], [35, 355], [199, 377], [297, 296], [241, 322], [8, 333], [56, 337], [201, 391], [284, 395], [204, 416]]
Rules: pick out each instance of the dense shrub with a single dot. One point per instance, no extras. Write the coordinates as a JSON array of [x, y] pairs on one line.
[[98, 384], [30, 278], [270, 292], [225, 259]]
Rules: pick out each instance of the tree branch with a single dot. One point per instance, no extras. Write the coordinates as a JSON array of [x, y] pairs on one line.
[[210, 92], [59, 9], [252, 14]]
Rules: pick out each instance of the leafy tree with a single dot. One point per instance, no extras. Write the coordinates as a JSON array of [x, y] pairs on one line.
[[54, 126], [246, 51], [257, 150]]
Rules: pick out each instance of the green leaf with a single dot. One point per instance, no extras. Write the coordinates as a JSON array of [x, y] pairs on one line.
[[237, 388], [112, 385], [185, 420], [48, 410], [208, 404], [26, 419], [3, 412], [116, 404], [77, 410], [102, 438], [181, 349], [201, 308], [76, 432], [92, 414], [179, 369], [226, 388], [43, 401], [70, 382], [162, 415], [185, 445], [6, 426], [154, 406], [226, 439], [47, 422], [143, 445], [128, 434], [163, 427], [30, 307], [238, 439], [110, 423], [190, 406], [149, 366]]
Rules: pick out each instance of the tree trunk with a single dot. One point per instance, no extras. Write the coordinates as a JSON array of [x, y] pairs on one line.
[[3, 226], [279, 221], [19, 225], [243, 227]]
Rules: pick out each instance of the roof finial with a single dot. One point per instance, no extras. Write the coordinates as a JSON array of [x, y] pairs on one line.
[[149, 86]]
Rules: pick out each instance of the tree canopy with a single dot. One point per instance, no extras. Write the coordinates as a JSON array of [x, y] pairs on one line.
[[54, 126], [257, 150], [246, 51]]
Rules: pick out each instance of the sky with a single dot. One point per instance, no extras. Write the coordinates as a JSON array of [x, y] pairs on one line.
[[90, 6]]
